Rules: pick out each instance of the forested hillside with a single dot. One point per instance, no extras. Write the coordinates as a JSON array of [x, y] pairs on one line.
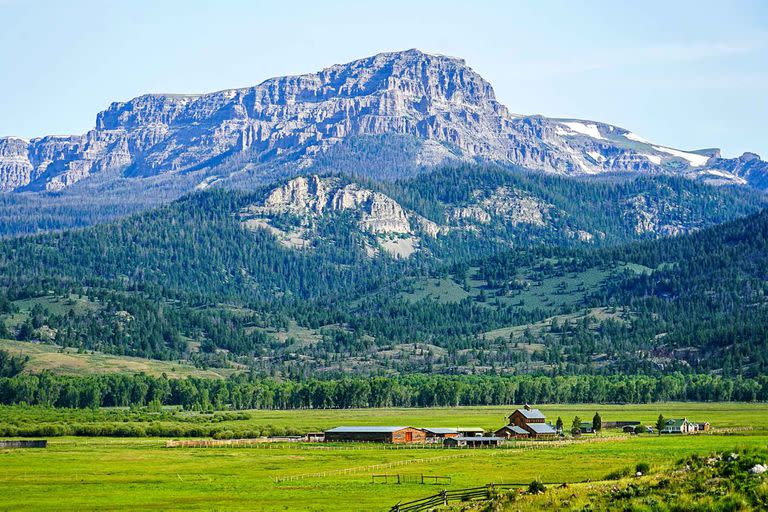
[[520, 273]]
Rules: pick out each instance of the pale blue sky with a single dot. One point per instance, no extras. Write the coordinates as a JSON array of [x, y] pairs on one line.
[[689, 74]]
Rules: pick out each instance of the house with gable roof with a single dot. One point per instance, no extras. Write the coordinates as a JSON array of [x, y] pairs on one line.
[[527, 423]]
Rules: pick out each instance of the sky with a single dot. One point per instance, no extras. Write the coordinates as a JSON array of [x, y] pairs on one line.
[[687, 74]]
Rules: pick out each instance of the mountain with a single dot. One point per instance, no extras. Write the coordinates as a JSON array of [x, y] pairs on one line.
[[439, 109]]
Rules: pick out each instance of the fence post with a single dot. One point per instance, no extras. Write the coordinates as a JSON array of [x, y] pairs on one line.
[[444, 495]]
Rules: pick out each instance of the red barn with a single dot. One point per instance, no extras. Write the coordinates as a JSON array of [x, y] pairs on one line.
[[394, 435]]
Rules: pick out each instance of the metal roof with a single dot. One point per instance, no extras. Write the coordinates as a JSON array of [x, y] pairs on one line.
[[542, 428], [365, 429], [531, 413], [477, 438], [441, 430], [469, 429], [515, 429]]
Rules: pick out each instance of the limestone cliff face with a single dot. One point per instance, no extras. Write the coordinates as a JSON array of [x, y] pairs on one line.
[[313, 195], [16, 167], [437, 99], [392, 228]]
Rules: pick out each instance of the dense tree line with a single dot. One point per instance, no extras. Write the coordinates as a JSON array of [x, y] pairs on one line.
[[250, 392]]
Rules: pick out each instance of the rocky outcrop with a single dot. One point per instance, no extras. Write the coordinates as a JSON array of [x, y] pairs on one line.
[[437, 99], [658, 216], [14, 162], [512, 207], [393, 229], [313, 195]]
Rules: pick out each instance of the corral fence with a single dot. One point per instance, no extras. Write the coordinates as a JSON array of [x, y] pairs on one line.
[[484, 492], [39, 443], [455, 453], [411, 479], [373, 467], [301, 444]]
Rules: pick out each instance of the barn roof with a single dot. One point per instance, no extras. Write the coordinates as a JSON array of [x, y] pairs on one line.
[[365, 429], [514, 428], [469, 429], [542, 428], [531, 414], [441, 430]]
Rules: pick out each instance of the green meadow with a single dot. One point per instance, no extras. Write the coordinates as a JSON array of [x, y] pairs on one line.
[[88, 473]]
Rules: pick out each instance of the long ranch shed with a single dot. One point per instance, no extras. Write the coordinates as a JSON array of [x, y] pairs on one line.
[[394, 435]]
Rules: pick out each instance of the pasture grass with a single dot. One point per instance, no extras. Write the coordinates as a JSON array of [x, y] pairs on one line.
[[109, 474], [68, 361]]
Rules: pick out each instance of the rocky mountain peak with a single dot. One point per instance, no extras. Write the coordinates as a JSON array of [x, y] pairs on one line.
[[288, 121]]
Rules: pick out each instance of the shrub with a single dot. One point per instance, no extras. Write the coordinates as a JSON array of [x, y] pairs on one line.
[[536, 487], [642, 467], [224, 434], [618, 474]]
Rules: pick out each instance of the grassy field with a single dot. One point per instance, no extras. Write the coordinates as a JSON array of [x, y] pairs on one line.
[[68, 361], [108, 474]]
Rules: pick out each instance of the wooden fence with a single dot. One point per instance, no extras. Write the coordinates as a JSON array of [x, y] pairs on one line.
[[484, 492], [411, 479], [367, 469]]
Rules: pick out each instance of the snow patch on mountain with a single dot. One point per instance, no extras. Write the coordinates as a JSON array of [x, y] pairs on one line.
[[590, 130], [694, 159], [635, 137], [654, 159]]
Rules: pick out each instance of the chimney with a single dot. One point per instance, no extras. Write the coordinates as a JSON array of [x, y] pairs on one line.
[[527, 407]]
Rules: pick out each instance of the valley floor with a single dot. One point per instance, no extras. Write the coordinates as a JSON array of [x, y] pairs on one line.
[[142, 474]]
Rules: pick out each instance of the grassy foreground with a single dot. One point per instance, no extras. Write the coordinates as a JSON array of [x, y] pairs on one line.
[[108, 474]]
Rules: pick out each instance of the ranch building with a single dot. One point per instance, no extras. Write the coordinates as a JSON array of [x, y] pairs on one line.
[[679, 426], [470, 431], [512, 432], [526, 416], [472, 442], [533, 422], [394, 435]]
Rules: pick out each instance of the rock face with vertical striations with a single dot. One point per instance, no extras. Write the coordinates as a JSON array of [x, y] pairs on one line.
[[440, 101]]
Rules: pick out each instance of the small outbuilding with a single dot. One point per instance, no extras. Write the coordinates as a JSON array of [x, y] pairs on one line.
[[472, 442], [470, 431], [314, 437], [394, 435]]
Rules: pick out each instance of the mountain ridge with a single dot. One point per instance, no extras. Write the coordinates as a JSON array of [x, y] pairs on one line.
[[290, 121]]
